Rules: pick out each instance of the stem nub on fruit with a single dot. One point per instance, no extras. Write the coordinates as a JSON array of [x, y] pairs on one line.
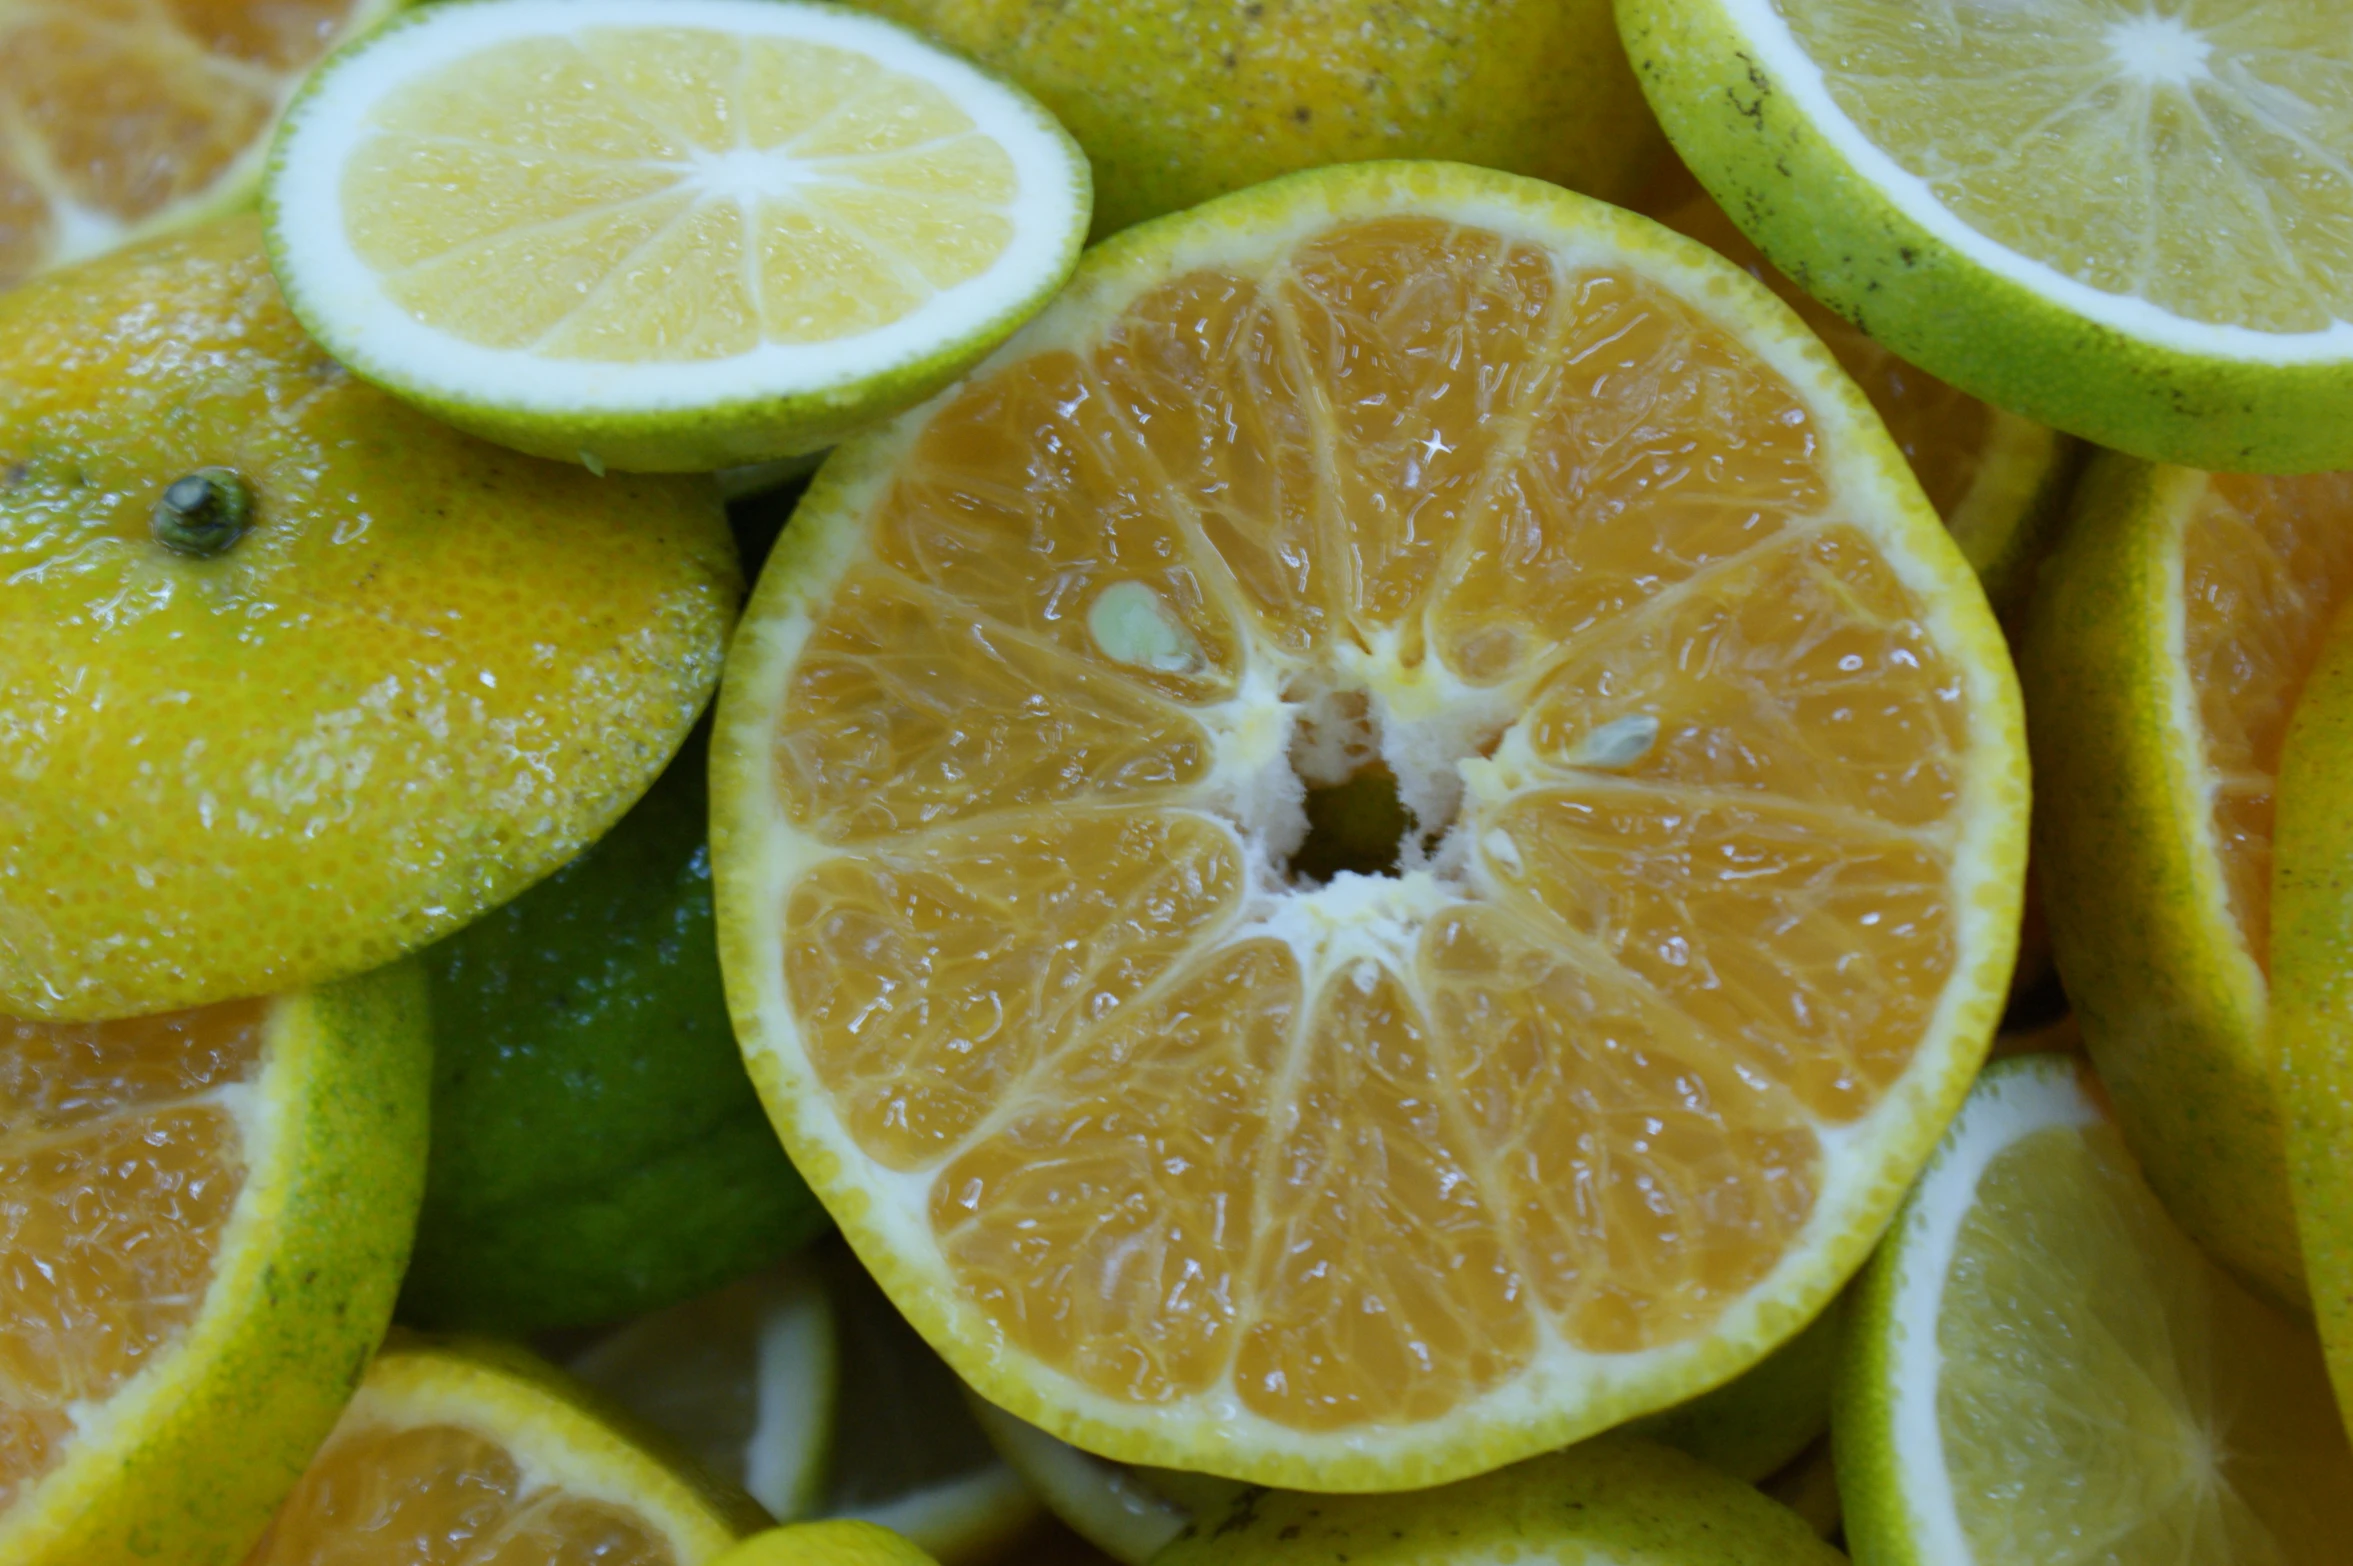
[[203, 514]]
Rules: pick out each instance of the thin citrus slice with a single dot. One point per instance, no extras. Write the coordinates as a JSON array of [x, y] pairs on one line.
[[2127, 219], [1617, 1501], [2173, 628], [121, 117], [1999, 481], [474, 1453], [666, 234], [2043, 1368], [826, 1544], [205, 1218], [804, 1386], [372, 678], [1700, 927], [2312, 1024]]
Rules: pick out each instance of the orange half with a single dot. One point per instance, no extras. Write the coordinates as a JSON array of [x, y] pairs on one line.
[[1701, 925]]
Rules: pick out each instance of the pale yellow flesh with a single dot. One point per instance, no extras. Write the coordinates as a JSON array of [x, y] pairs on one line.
[[649, 195], [2109, 1395], [2190, 153]]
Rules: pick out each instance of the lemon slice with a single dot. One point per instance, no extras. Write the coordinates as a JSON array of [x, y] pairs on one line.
[[2174, 626], [127, 118], [665, 234], [494, 1457], [844, 1543], [1375, 1174], [207, 1213], [803, 1385], [2133, 221], [2044, 1368]]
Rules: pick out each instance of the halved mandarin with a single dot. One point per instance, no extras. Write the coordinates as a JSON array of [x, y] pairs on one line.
[[1591, 1092], [475, 1453], [2173, 632], [203, 1220]]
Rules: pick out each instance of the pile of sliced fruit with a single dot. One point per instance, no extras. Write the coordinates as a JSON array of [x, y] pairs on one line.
[[700, 829]]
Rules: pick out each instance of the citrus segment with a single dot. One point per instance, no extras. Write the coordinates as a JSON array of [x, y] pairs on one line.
[[590, 230], [205, 1216], [424, 673], [479, 1455], [120, 116], [2176, 625], [2133, 222], [1710, 748], [2044, 1367]]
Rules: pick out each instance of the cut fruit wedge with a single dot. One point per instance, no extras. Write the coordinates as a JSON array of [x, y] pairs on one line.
[[666, 234], [2172, 630], [2133, 221], [1593, 1095], [206, 1216], [1999, 481], [497, 1460], [804, 1386], [2043, 1367], [119, 117], [2312, 969]]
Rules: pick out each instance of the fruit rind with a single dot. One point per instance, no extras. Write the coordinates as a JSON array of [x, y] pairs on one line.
[[200, 1448], [1747, 110], [605, 416], [1892, 1482], [2171, 1000], [753, 859]]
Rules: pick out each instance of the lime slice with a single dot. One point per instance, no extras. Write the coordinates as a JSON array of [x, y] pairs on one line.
[[2131, 220], [665, 234], [803, 1386], [2042, 1368]]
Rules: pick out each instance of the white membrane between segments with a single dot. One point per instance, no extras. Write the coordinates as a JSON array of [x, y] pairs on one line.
[[328, 125], [1779, 53], [2007, 1105]]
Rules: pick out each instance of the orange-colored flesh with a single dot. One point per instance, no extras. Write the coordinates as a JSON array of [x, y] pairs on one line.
[[123, 107], [441, 1495], [1164, 1154], [118, 1170], [2265, 564]]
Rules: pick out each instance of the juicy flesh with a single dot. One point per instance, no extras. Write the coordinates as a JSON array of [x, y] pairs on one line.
[[648, 195], [430, 1494], [120, 1163], [2108, 1395], [2265, 564], [2186, 152], [113, 110], [1357, 1153]]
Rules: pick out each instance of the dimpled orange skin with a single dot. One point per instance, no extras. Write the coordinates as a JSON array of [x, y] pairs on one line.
[[429, 673]]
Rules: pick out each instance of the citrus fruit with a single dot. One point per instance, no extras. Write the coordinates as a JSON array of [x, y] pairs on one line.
[[841, 1543], [475, 1453], [1617, 1501], [121, 118], [1751, 1427], [804, 1386], [1999, 481], [2312, 1024], [2131, 221], [598, 1151], [1176, 101], [370, 679], [2173, 627], [206, 1214], [1711, 749], [2041, 1366], [665, 234]]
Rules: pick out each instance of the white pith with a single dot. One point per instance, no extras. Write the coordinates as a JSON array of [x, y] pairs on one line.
[[2012, 1102], [362, 324], [1430, 726], [1794, 73]]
